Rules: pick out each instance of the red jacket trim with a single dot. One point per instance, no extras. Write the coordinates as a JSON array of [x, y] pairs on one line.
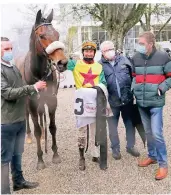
[[154, 79]]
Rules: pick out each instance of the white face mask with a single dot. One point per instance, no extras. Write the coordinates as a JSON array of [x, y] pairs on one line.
[[110, 55]]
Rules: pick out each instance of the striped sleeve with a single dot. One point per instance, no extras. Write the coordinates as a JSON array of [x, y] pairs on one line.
[[102, 78], [166, 84], [71, 64]]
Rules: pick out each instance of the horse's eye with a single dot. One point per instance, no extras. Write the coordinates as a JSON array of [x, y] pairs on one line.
[[42, 36]]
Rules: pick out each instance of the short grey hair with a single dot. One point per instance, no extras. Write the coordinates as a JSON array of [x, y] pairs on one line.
[[4, 39], [106, 43]]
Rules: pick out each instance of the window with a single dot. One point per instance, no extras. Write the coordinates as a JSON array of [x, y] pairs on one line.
[[98, 35], [162, 11], [95, 36], [84, 28], [101, 36], [167, 10], [164, 36], [84, 36], [137, 31], [169, 35], [158, 36], [85, 32], [107, 35], [131, 33]]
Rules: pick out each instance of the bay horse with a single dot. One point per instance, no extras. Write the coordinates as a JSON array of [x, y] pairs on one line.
[[45, 53]]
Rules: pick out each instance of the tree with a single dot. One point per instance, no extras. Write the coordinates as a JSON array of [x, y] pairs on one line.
[[149, 11], [69, 22], [29, 13], [23, 29], [117, 19], [31, 10], [69, 40], [153, 10]]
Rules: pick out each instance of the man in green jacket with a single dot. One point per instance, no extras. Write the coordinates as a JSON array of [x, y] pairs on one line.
[[13, 127], [152, 78]]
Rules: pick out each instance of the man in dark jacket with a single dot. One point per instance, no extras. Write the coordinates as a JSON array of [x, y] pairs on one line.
[[152, 78], [117, 71], [13, 126]]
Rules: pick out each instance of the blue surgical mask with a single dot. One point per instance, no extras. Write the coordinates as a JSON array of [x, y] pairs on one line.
[[141, 48], [7, 57]]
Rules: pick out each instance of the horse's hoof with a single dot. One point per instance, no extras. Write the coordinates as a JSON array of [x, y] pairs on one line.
[[82, 166], [29, 139], [41, 165], [56, 159]]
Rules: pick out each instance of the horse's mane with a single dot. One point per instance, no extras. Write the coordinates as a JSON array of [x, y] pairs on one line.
[[32, 39]]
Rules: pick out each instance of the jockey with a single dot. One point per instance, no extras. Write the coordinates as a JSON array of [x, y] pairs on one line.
[[87, 74]]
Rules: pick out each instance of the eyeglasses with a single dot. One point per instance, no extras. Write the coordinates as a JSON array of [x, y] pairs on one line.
[[108, 50]]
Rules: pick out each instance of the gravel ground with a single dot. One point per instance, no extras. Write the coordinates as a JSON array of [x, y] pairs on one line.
[[121, 177]]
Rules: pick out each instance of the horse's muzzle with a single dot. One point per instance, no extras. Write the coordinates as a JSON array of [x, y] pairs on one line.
[[62, 65]]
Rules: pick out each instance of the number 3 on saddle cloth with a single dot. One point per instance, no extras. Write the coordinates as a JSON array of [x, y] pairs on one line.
[[90, 107], [85, 106]]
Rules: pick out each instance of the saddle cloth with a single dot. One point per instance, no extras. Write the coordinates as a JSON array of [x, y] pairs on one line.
[[85, 106]]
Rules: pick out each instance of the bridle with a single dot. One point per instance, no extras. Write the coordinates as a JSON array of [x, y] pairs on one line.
[[35, 28], [44, 49], [48, 70]]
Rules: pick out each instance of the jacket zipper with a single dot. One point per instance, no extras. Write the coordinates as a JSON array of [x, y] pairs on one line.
[[145, 73], [117, 84]]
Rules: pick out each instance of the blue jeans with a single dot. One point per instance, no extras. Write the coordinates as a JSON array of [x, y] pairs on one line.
[[12, 147], [113, 126], [152, 119]]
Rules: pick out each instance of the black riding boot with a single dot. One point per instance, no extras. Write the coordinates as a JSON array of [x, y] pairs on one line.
[[82, 159], [5, 184], [103, 157]]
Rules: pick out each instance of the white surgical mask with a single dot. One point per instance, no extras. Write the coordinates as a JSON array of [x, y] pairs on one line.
[[110, 55], [7, 57], [141, 49]]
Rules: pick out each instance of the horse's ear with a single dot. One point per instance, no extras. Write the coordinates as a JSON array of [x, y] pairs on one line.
[[38, 17], [50, 17]]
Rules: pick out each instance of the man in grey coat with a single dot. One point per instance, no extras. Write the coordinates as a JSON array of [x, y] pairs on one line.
[[13, 127]]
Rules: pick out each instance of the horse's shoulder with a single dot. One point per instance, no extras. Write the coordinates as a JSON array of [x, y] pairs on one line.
[[19, 62]]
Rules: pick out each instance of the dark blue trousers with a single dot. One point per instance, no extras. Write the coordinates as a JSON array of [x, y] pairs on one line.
[[126, 113], [12, 147]]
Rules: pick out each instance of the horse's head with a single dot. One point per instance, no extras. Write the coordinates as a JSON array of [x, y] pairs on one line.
[[47, 41]]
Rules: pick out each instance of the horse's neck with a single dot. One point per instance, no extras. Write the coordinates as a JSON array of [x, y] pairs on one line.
[[38, 65]]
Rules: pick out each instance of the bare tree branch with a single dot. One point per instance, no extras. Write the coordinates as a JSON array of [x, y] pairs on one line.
[[117, 19], [152, 9], [169, 19]]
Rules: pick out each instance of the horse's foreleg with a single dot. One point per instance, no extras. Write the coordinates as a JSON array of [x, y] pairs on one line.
[[42, 127], [41, 111], [37, 133], [52, 105], [28, 130]]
